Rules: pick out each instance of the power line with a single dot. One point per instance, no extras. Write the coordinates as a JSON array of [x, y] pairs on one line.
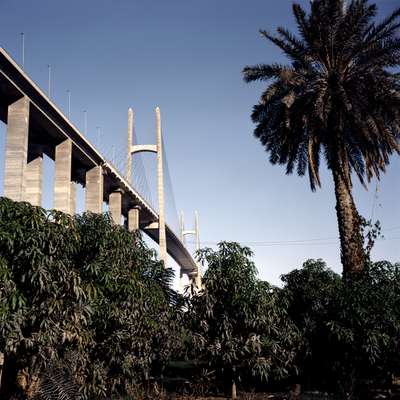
[[304, 242], [272, 244], [284, 241]]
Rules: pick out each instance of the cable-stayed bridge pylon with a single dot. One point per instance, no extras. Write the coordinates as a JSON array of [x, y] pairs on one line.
[[166, 209], [36, 127]]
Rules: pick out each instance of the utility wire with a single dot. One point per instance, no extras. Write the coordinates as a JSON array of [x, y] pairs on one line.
[[305, 242]]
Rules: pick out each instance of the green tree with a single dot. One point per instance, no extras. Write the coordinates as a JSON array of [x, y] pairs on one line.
[[339, 96], [136, 321], [311, 295], [82, 298], [239, 323], [43, 306], [365, 328], [350, 332]]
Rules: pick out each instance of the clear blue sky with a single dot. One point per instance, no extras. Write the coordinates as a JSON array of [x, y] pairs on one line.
[[186, 56]]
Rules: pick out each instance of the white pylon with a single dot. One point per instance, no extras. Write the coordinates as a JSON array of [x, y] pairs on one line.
[[195, 232], [157, 148], [162, 239], [199, 275]]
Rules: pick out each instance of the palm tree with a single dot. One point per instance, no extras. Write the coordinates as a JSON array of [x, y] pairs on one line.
[[339, 96]]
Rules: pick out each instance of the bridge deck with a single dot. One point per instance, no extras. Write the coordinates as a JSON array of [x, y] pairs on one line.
[[49, 127]]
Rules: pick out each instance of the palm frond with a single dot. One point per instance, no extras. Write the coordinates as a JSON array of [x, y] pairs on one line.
[[340, 94], [264, 72]]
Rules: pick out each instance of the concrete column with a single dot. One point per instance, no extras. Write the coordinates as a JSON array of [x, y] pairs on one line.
[[160, 187], [115, 205], [196, 229], [16, 149], [182, 227], [94, 190], [62, 177], [34, 181], [194, 282], [181, 283], [133, 219], [72, 204], [199, 282]]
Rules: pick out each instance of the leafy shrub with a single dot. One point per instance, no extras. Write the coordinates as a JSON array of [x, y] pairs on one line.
[[239, 323], [43, 303], [85, 304], [83, 286], [350, 330]]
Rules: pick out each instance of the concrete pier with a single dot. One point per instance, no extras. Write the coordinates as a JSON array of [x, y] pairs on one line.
[[181, 283], [133, 219], [62, 177], [94, 190], [34, 181], [72, 204], [16, 149], [115, 205]]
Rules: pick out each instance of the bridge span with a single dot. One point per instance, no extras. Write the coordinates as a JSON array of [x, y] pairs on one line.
[[36, 126]]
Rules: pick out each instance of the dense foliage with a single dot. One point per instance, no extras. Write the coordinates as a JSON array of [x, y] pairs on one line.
[[87, 311], [339, 98], [239, 324], [350, 332], [84, 291]]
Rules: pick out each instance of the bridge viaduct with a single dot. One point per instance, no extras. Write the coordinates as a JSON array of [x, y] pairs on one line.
[[35, 126]]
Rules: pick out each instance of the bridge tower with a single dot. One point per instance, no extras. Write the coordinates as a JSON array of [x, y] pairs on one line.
[[158, 150], [194, 278]]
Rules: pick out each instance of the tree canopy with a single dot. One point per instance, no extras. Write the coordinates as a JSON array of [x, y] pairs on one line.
[[239, 324], [82, 290]]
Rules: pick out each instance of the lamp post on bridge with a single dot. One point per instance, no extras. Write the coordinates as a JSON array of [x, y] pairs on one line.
[[69, 104], [85, 122], [23, 49], [49, 80]]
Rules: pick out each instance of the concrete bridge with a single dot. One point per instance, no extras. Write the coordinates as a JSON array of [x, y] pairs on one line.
[[36, 126]]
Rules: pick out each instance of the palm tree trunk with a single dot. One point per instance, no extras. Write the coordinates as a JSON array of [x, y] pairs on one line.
[[351, 240]]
